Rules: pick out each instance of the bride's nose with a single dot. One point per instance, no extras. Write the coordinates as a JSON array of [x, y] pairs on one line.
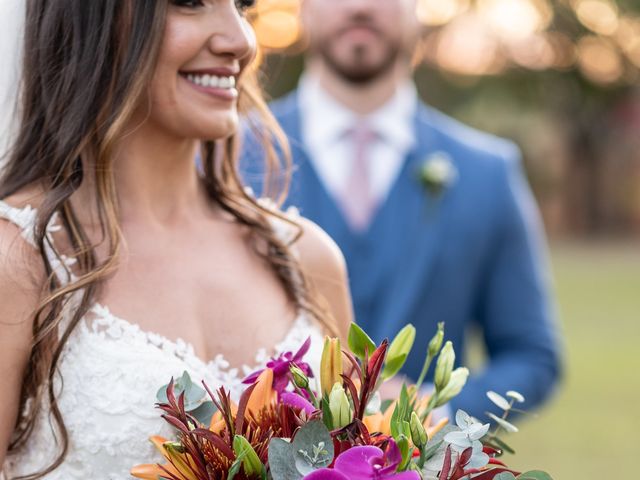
[[232, 36]]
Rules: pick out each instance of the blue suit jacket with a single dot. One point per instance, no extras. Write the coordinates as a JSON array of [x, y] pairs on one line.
[[473, 255]]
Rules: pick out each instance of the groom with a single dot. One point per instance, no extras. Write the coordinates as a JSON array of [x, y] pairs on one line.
[[435, 219]]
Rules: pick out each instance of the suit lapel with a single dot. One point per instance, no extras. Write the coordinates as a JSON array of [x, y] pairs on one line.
[[307, 190], [423, 222]]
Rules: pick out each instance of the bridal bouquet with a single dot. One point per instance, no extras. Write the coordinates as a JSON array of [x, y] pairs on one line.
[[285, 427]]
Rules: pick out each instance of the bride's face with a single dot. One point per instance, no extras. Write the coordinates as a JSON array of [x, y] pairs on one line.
[[207, 44]]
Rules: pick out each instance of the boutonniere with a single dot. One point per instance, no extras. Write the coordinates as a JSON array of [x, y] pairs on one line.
[[437, 173]]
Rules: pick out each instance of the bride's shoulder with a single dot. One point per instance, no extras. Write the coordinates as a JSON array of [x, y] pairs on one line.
[[19, 259], [324, 264]]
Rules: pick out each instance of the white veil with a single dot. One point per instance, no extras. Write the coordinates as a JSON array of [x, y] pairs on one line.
[[12, 20]]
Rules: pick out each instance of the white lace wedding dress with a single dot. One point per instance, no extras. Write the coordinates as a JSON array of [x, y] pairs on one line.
[[110, 372]]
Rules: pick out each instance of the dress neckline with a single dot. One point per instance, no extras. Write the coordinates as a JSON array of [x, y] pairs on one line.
[[103, 321]]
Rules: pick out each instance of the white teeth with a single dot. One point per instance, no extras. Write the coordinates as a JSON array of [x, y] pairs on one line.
[[212, 81]]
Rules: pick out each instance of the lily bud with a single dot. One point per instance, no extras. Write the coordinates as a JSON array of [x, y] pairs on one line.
[[330, 364], [250, 461], [456, 383], [299, 377], [418, 433], [436, 342], [444, 367], [339, 406]]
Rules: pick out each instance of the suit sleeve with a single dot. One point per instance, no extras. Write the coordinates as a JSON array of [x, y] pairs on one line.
[[514, 308]]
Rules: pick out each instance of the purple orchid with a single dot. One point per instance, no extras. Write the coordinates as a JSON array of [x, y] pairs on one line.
[[294, 400], [366, 463], [281, 366]]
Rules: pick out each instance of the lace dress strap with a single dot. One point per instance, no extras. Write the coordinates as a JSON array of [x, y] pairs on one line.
[[25, 218]]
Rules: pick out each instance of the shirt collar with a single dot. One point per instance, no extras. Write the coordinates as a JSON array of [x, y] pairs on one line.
[[325, 119]]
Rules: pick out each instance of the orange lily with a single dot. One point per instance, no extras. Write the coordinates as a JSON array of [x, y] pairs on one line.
[[153, 471], [263, 394]]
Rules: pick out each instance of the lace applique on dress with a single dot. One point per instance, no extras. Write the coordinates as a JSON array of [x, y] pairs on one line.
[[111, 370]]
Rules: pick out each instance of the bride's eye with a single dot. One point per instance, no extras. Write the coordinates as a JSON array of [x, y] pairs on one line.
[[243, 5], [187, 3]]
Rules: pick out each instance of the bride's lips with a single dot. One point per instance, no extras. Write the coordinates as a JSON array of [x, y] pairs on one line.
[[219, 83]]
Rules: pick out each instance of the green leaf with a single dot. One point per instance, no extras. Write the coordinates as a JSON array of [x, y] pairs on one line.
[[502, 445], [534, 475], [392, 366], [250, 461], [402, 413], [359, 341], [399, 351], [405, 449], [327, 417], [234, 469]]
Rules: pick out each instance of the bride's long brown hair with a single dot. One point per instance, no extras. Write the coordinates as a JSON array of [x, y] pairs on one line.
[[86, 65]]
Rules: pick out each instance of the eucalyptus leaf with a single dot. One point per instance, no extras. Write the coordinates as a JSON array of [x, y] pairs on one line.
[[499, 400], [504, 476], [282, 462], [534, 475], [204, 413], [314, 444], [503, 423]]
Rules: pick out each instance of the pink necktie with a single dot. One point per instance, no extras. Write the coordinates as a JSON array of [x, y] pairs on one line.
[[357, 202]]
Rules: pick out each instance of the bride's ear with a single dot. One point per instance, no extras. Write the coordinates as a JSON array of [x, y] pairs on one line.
[[324, 265]]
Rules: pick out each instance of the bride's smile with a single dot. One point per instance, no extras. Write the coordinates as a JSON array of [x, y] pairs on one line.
[[205, 50]]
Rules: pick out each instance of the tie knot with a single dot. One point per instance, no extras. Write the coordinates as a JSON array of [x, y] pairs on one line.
[[361, 133]]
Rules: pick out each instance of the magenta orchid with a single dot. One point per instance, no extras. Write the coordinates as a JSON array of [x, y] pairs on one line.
[[294, 400], [366, 463], [281, 367]]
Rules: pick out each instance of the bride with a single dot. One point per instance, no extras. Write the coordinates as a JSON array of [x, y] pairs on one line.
[[120, 264]]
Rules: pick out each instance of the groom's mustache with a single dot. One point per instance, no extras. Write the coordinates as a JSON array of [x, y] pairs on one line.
[[361, 21]]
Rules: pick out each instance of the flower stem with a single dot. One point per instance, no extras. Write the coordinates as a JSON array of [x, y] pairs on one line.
[[423, 373]]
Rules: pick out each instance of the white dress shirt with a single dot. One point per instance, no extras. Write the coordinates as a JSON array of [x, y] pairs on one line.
[[326, 122]]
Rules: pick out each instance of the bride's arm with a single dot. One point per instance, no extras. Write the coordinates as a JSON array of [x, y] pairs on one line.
[[18, 299], [323, 263]]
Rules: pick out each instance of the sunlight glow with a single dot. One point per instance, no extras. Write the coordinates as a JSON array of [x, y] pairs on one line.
[[599, 16], [440, 12], [599, 60], [515, 18]]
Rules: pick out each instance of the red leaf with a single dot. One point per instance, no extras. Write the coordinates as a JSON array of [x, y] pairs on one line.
[[242, 407], [490, 474], [446, 466], [170, 394], [465, 456], [176, 423], [216, 440], [353, 391]]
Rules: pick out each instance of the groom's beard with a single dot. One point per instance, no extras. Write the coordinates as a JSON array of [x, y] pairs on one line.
[[358, 70], [360, 63]]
